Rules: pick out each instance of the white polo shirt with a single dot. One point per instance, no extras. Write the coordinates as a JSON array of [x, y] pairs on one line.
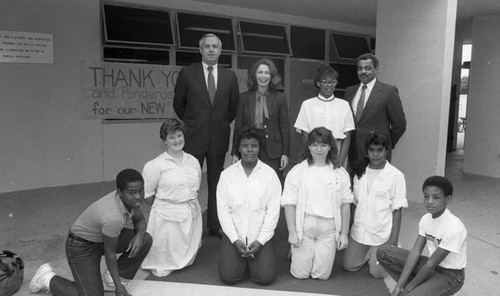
[[373, 216]]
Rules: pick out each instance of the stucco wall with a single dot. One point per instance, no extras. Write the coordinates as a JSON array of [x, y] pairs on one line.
[[482, 138]]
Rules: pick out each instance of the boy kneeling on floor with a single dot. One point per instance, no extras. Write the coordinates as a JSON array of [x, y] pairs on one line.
[[102, 230], [443, 272]]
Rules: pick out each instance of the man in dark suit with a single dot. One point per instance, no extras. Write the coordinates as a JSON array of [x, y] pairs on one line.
[[376, 106], [206, 98]]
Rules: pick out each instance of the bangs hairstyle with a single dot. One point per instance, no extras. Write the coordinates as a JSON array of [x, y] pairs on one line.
[[171, 125], [275, 78], [325, 72], [127, 176], [247, 133], [321, 135], [377, 138], [441, 183]]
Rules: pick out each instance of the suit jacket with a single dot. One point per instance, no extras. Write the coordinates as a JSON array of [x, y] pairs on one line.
[[276, 128], [383, 112], [207, 124]]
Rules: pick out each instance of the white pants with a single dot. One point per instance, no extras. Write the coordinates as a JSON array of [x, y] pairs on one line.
[[316, 253]]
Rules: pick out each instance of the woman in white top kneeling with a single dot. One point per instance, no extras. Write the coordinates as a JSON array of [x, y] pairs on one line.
[[172, 181], [248, 206], [317, 199]]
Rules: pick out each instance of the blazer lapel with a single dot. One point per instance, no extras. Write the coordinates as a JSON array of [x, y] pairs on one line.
[[374, 95], [200, 78], [220, 83], [251, 106]]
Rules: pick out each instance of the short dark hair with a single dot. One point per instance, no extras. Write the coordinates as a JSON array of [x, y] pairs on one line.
[[247, 133], [369, 56], [323, 72], [324, 136], [252, 77], [377, 138], [440, 182], [127, 176], [171, 125]]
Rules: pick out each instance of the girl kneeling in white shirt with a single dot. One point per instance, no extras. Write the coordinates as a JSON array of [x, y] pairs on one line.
[[248, 206], [317, 199]]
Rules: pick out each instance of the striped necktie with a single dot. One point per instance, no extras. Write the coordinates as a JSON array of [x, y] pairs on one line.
[[361, 103]]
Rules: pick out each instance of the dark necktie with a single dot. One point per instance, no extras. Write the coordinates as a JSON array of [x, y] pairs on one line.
[[211, 84], [361, 103]]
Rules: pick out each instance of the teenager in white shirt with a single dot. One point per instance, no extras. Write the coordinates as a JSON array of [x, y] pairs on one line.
[[248, 206], [317, 199], [379, 195], [442, 273], [327, 111]]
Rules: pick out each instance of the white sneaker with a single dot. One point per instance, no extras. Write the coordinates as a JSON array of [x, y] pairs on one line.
[[108, 283], [42, 278]]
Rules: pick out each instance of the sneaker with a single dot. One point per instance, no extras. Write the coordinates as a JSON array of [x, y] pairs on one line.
[[42, 278], [108, 283]]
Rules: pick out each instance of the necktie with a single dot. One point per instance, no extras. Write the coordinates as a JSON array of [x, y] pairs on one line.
[[211, 84], [361, 103]]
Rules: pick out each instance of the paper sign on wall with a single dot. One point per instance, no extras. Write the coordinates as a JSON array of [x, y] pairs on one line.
[[26, 47]]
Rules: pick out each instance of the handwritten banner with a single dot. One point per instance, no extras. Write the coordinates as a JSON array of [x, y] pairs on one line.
[[131, 91]]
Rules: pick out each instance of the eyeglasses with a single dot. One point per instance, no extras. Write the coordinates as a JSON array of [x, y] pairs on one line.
[[329, 82]]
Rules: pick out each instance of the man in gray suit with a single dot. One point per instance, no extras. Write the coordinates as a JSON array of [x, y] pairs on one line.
[[376, 106], [206, 98]]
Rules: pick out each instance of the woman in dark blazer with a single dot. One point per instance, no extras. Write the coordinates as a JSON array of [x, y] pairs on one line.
[[265, 108]]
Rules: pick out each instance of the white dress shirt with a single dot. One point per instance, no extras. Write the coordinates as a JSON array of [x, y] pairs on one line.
[[374, 206], [214, 72], [249, 206], [368, 91]]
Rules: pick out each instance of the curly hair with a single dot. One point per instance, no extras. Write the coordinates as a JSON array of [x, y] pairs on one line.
[[275, 78]]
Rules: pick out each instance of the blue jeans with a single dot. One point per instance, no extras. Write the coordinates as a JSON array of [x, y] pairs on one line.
[[441, 282], [84, 259]]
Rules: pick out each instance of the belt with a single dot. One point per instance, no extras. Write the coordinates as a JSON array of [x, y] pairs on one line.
[[77, 238]]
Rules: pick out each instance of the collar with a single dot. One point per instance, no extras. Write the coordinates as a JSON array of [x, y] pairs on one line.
[[205, 67], [169, 157], [122, 207], [442, 217], [329, 99], [258, 165], [369, 85]]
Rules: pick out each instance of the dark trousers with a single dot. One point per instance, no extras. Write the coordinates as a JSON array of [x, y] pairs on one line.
[[274, 163], [84, 259], [441, 282], [215, 166], [233, 267]]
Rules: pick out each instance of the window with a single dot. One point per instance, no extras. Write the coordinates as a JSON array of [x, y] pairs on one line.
[[263, 38], [348, 74], [139, 26], [184, 58], [307, 43], [348, 48], [191, 27]]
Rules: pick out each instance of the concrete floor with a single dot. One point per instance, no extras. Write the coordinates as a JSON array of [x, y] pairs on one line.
[[28, 223]]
